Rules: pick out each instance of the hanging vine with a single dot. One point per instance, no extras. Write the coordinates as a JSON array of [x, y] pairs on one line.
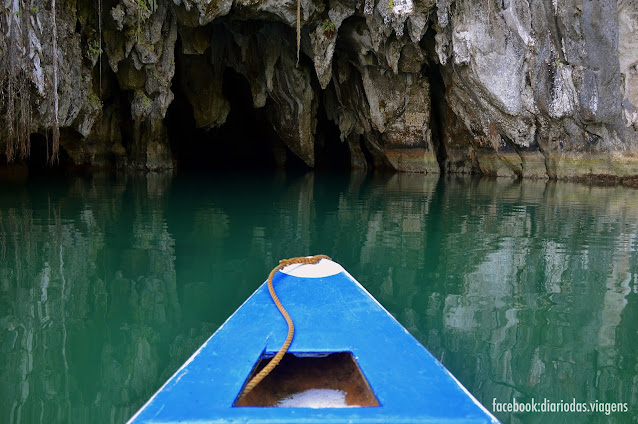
[[14, 81], [53, 158], [298, 29], [99, 29]]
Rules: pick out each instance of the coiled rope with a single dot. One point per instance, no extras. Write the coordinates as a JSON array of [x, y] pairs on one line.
[[291, 327]]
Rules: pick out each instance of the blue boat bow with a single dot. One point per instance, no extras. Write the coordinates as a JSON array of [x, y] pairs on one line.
[[332, 313]]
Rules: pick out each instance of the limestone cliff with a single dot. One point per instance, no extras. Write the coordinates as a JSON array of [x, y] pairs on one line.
[[523, 88]]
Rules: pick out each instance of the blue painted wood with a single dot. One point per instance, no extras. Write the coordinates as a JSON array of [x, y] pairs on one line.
[[331, 314]]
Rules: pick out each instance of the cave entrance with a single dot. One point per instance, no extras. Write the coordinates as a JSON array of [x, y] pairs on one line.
[[246, 141], [40, 151]]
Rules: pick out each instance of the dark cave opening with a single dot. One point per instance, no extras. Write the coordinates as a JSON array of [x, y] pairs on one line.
[[246, 141]]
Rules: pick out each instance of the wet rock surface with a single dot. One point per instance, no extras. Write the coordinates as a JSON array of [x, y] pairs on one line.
[[520, 88]]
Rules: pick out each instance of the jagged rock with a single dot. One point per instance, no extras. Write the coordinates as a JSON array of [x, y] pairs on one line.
[[530, 78], [144, 43], [324, 40], [196, 13], [520, 88]]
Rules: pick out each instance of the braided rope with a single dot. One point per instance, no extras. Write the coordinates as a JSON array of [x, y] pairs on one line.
[[291, 327]]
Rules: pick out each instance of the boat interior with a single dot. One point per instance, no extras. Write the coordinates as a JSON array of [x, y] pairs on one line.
[[311, 380]]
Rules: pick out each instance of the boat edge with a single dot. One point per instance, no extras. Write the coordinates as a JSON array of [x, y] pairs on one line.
[[465, 390]]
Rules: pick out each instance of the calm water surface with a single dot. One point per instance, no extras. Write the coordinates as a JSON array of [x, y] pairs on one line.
[[522, 289]]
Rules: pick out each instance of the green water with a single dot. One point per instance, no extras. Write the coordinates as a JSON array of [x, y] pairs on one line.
[[522, 289]]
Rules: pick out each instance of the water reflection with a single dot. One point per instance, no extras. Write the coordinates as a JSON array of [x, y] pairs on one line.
[[522, 289]]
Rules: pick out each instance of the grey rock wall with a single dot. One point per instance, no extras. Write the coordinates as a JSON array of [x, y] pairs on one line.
[[539, 85], [521, 88]]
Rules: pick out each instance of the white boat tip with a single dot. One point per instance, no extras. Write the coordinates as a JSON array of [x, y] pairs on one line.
[[315, 398], [323, 268]]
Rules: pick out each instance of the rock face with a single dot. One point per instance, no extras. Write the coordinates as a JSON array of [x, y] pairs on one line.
[[539, 88], [522, 88]]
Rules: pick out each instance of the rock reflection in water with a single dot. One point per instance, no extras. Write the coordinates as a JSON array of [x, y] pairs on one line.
[[107, 284], [80, 338], [524, 290]]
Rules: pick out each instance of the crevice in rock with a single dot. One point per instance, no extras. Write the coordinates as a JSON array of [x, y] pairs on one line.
[[441, 114], [438, 108], [126, 121], [330, 151], [366, 153]]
